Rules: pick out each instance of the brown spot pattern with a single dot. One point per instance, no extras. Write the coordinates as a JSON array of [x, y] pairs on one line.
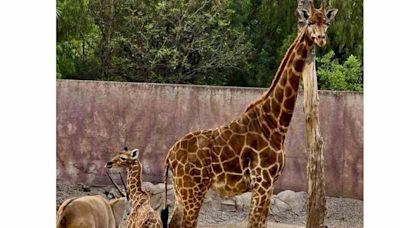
[[244, 155]]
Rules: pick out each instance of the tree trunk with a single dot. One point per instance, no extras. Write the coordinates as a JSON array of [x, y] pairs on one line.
[[316, 208]]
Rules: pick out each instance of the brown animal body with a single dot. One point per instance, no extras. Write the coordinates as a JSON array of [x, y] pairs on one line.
[[247, 154], [91, 211]]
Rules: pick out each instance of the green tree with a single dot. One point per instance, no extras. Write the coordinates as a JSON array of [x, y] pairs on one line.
[[76, 37], [267, 24], [335, 76], [105, 13], [270, 26], [177, 42], [219, 42], [346, 34]]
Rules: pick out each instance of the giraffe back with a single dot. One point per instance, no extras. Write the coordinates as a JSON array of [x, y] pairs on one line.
[[86, 211]]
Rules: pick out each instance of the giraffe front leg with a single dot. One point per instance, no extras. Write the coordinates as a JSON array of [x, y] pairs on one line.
[[260, 201]]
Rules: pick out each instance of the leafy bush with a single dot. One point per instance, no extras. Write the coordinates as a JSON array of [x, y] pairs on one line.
[[176, 42], [335, 76], [218, 42]]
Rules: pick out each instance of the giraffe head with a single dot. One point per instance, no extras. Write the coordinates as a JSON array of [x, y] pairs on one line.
[[124, 158], [316, 21]]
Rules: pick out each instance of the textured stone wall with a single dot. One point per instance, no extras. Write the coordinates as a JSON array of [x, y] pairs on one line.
[[94, 119]]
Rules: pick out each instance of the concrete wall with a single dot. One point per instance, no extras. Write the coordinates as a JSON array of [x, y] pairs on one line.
[[94, 119]]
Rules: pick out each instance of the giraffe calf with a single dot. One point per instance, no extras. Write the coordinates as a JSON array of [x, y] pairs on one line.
[[141, 214]]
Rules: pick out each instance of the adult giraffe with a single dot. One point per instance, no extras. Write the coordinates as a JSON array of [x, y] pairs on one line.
[[246, 154]]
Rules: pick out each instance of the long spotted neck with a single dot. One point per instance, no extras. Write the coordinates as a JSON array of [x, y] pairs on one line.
[[134, 176], [275, 108], [137, 196]]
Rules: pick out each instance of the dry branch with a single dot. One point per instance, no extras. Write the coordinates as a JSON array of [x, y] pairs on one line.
[[316, 208]]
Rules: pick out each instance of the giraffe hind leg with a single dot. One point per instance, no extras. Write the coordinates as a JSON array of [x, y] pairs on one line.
[[186, 212], [188, 200], [192, 205]]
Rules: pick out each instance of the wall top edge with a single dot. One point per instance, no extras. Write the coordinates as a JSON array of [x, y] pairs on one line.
[[193, 86]]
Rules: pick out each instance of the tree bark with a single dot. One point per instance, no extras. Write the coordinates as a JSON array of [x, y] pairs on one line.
[[316, 208]]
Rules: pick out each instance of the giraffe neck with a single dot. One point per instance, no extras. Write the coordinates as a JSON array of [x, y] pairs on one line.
[[275, 108], [137, 196], [134, 176]]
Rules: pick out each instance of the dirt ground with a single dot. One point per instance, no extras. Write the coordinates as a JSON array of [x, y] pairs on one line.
[[342, 212]]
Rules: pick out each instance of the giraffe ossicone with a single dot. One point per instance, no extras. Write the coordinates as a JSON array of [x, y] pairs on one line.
[[246, 155]]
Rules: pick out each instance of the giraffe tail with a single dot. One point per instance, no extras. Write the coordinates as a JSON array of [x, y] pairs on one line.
[[164, 212]]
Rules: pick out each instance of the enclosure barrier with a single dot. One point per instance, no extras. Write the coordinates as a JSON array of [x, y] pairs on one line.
[[96, 118]]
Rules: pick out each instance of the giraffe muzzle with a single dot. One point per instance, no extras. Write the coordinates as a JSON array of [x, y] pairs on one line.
[[320, 40]]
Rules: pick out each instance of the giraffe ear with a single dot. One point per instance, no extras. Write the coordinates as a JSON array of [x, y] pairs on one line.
[[135, 153], [302, 15], [330, 14]]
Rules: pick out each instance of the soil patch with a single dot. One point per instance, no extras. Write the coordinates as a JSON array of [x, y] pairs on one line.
[[288, 208]]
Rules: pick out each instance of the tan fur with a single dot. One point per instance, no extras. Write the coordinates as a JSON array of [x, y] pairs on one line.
[[142, 214], [119, 206], [91, 211]]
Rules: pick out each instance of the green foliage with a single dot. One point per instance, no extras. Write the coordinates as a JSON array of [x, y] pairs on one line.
[[286, 44], [218, 42], [177, 42], [267, 24], [346, 32], [335, 76], [76, 37]]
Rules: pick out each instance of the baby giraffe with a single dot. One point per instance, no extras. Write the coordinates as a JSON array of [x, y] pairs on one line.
[[141, 214]]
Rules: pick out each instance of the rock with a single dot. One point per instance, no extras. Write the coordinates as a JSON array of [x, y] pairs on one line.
[[157, 201], [159, 188], [243, 201], [84, 188], [148, 187], [229, 204], [171, 198], [110, 195], [278, 206], [290, 200], [155, 189], [213, 200]]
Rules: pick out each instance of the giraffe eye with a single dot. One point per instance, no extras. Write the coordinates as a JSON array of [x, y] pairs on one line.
[[123, 159]]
